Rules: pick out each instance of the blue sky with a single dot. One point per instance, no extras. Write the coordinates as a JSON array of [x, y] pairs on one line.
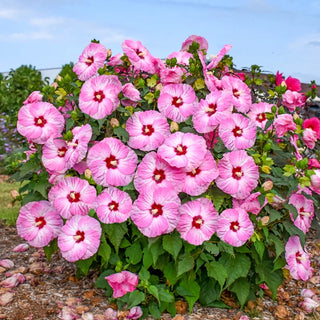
[[277, 35]]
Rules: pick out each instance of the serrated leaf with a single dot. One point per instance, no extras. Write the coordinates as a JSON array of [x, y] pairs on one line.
[[154, 291], [185, 264], [104, 251], [190, 290], [217, 271], [225, 247], [241, 287], [115, 233], [211, 248], [135, 298], [134, 253], [165, 296], [259, 246], [84, 265], [170, 273], [172, 243]]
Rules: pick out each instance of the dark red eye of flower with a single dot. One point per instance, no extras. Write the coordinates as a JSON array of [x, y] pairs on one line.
[[40, 222], [156, 210], [111, 162], [177, 102], [99, 96], [61, 152], [180, 150], [194, 172], [140, 54], [261, 117], [79, 236], [89, 61], [147, 130], [158, 175], [197, 222], [113, 206], [236, 93], [73, 196], [298, 257], [234, 226], [40, 121], [237, 173], [212, 108], [237, 131]]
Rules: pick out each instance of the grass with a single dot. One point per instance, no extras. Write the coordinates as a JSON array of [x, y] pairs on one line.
[[8, 214]]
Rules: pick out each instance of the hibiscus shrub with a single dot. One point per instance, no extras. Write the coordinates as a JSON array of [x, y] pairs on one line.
[[176, 179]]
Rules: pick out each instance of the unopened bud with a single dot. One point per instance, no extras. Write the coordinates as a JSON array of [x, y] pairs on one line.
[[267, 185], [295, 116], [114, 123], [159, 86], [109, 53], [14, 194], [265, 220], [87, 173], [174, 126]]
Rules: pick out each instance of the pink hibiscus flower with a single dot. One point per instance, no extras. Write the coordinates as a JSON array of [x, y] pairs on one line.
[[38, 223], [238, 174], [292, 84], [183, 150], [72, 196], [313, 163], [309, 137], [139, 56], [193, 38], [237, 132], [113, 205], [212, 110], [112, 163], [198, 221], [156, 212], [78, 146], [258, 112], [305, 210], [53, 155], [293, 99], [153, 172], [147, 130], [99, 96], [284, 123], [250, 204], [240, 92], [313, 124], [177, 102], [79, 238], [315, 181], [34, 96], [90, 61], [131, 94], [40, 121], [122, 282], [216, 59], [235, 227], [298, 261], [198, 179]]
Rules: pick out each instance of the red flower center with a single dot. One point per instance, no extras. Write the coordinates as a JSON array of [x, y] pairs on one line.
[[298, 257], [197, 222], [61, 152], [237, 173], [156, 210], [212, 108], [194, 172], [261, 117], [113, 206], [180, 150], [158, 175], [234, 226], [99, 96], [40, 121], [177, 102], [140, 54], [236, 93], [40, 222], [112, 162], [73, 196], [237, 131], [147, 130], [79, 236], [89, 61]]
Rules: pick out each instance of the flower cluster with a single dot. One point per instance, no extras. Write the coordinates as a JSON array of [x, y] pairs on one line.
[[177, 148]]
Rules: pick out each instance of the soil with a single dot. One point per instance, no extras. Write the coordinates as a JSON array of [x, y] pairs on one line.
[[52, 291]]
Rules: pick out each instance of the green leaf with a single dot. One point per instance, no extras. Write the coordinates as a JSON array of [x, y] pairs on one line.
[[147, 258], [170, 273], [156, 249], [154, 291], [211, 248], [190, 290], [225, 247], [115, 233], [278, 244], [135, 298], [104, 251], [121, 133], [293, 230], [209, 292], [50, 249], [259, 246], [154, 310], [241, 287], [134, 253], [144, 274], [236, 267], [165, 295], [172, 243], [217, 271], [84, 265], [101, 282], [185, 264], [279, 263]]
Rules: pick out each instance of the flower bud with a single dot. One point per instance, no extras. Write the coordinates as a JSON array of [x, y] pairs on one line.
[[159, 86], [265, 220], [109, 53], [174, 126], [87, 173], [14, 194], [114, 123], [267, 185]]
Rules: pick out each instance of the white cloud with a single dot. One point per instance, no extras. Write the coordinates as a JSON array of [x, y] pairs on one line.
[[47, 22], [27, 36]]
